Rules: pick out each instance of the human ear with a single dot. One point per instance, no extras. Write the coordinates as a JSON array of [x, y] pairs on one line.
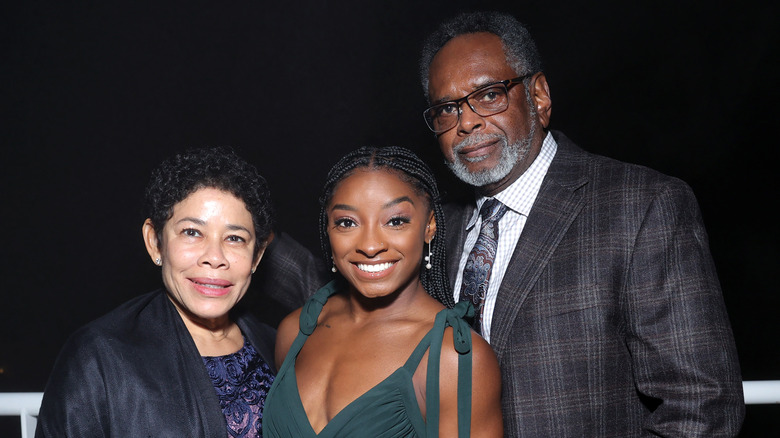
[[430, 229], [150, 240], [542, 99]]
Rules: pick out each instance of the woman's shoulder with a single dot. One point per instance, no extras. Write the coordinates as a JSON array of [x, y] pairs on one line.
[[122, 318], [285, 336], [484, 357], [459, 339], [290, 323], [451, 344], [322, 302], [108, 336]]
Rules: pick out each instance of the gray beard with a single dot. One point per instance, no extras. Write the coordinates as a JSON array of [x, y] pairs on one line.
[[510, 156]]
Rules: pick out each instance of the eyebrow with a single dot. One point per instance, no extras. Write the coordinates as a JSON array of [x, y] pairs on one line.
[[194, 220], [343, 207], [201, 222], [398, 200], [483, 84], [395, 201], [232, 227]]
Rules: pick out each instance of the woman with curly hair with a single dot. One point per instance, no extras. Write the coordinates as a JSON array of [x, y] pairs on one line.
[[182, 361]]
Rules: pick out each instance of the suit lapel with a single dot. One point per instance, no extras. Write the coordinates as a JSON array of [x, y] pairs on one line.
[[557, 205]]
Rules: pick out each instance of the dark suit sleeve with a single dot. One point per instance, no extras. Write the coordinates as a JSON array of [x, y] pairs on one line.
[[684, 357], [75, 399], [287, 276]]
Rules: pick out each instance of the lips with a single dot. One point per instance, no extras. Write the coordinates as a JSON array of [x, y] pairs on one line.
[[476, 148], [211, 286]]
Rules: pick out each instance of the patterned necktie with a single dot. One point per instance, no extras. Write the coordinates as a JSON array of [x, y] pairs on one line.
[[476, 274]]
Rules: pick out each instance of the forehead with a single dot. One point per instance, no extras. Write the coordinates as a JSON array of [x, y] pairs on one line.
[[210, 200], [369, 185], [465, 63]]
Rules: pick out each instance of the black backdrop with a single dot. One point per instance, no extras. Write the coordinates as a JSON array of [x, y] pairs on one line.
[[95, 95]]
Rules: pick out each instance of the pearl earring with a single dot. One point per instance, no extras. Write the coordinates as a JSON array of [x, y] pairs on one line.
[[428, 257], [333, 268]]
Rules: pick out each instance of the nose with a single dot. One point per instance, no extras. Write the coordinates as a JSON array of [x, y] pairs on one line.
[[468, 119], [371, 243], [213, 256]]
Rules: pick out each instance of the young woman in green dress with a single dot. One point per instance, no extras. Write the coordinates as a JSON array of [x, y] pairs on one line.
[[382, 350]]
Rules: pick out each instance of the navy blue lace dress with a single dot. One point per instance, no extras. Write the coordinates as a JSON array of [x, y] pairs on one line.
[[242, 380]]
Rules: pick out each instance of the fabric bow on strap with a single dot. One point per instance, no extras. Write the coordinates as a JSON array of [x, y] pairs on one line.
[[311, 310], [461, 337]]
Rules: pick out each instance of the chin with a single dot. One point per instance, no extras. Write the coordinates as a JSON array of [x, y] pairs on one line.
[[374, 291], [215, 310]]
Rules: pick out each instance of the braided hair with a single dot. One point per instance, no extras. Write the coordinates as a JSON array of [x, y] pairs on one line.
[[412, 170]]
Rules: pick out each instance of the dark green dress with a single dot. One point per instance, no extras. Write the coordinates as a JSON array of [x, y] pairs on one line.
[[390, 408]]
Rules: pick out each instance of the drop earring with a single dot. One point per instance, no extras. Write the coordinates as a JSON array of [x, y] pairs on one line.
[[333, 268], [428, 257]]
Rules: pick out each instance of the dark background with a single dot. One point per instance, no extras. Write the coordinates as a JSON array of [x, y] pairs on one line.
[[95, 95]]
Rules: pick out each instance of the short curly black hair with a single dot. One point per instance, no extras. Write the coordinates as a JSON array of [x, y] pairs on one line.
[[520, 49], [413, 170], [213, 167]]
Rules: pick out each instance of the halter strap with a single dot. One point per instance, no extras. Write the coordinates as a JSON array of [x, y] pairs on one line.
[[461, 334]]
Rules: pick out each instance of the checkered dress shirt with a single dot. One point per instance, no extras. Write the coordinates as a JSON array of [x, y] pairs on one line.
[[519, 197]]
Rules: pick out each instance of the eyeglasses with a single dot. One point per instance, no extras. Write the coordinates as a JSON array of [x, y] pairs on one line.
[[488, 100]]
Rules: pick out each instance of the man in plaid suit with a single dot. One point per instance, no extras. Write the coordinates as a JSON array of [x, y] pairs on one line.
[[603, 304]]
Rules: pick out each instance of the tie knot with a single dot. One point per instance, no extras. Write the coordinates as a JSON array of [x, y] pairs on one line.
[[492, 210]]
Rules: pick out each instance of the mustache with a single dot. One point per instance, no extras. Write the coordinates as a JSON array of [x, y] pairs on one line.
[[474, 139]]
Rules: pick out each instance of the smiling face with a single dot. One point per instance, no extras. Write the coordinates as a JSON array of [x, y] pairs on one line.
[[207, 249], [378, 226], [488, 152]]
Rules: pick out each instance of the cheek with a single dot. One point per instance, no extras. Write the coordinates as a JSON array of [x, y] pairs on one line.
[[411, 245], [241, 288], [446, 142], [172, 279], [179, 257], [241, 259], [514, 123], [338, 243]]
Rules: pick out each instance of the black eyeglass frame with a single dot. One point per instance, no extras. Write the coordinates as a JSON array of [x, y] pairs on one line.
[[507, 83]]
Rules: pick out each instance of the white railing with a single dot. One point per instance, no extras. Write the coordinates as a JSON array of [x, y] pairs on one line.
[[22, 404], [761, 392], [25, 404]]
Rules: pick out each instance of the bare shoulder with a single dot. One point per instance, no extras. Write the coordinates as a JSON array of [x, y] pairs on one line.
[[486, 417], [484, 361], [285, 335], [483, 356]]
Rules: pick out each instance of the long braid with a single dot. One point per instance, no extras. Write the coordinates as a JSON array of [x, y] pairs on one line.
[[415, 172]]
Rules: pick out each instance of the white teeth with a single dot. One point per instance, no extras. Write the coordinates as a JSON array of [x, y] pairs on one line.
[[213, 286], [374, 268]]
